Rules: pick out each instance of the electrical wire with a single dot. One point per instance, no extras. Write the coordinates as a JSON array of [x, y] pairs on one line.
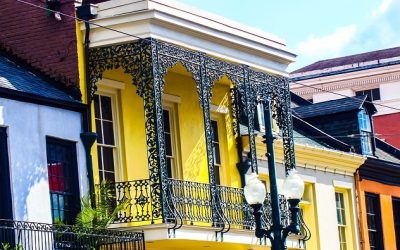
[[346, 136], [81, 20], [137, 37]]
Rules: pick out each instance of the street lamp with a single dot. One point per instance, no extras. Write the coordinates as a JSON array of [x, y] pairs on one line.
[[255, 193]]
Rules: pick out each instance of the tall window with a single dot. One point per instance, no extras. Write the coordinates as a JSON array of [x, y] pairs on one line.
[[105, 128], [374, 221], [170, 144], [216, 152], [63, 180], [5, 186], [372, 94], [341, 217], [396, 216], [365, 132]]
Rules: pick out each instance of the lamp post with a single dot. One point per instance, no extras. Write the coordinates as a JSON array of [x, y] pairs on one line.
[[255, 194]]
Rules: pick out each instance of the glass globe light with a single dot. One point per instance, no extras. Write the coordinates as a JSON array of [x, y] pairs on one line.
[[293, 186], [254, 191]]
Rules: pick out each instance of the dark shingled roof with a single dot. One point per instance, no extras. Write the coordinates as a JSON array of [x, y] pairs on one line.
[[352, 59], [386, 151], [17, 78], [330, 107], [298, 100]]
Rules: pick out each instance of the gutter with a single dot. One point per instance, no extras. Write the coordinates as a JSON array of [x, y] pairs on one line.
[[40, 100]]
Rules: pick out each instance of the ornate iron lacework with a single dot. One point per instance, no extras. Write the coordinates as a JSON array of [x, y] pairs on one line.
[[190, 203], [32, 235], [148, 61]]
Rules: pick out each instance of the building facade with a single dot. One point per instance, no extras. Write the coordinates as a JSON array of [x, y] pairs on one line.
[[379, 204], [375, 74], [177, 152], [350, 120], [174, 101], [37, 152], [43, 166]]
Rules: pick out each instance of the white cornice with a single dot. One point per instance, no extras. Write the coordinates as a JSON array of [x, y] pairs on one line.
[[348, 76], [354, 84], [195, 30]]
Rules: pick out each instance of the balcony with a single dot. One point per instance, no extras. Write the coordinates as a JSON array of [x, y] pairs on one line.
[[190, 203], [40, 236]]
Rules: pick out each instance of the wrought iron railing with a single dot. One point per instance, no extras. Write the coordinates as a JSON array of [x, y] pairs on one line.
[[190, 203], [19, 235], [136, 194]]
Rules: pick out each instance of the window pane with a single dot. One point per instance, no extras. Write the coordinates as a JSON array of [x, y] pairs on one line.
[[106, 110], [214, 127], [376, 94], [166, 121], [101, 173], [99, 131], [108, 133], [96, 106], [369, 94], [217, 155], [339, 217], [110, 177], [343, 216], [217, 175], [342, 234], [168, 145], [108, 159], [169, 167], [63, 180], [374, 221], [100, 157], [396, 216]]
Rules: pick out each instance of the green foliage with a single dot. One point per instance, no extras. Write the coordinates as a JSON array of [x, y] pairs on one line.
[[105, 211], [7, 246]]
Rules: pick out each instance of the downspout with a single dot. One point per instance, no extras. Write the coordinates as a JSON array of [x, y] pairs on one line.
[[88, 137]]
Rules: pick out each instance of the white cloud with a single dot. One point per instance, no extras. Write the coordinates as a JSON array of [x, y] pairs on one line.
[[329, 45], [383, 7]]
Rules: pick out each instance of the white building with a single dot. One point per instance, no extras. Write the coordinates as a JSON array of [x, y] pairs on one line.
[[42, 159]]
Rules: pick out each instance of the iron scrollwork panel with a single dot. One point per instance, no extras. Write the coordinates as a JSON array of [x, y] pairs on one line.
[[205, 86], [276, 90], [250, 101]]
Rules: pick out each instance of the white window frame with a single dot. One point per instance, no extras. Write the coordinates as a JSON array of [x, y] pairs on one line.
[[170, 104], [221, 125], [113, 94], [345, 224]]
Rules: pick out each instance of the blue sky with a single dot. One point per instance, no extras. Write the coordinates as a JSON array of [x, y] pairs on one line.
[[317, 29]]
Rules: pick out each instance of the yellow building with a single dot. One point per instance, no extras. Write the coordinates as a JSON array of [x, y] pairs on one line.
[[170, 92]]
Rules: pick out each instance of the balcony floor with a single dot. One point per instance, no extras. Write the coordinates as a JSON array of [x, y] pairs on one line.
[[200, 238]]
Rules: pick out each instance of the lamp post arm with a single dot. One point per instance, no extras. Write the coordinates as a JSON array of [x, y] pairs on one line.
[[260, 232], [294, 226]]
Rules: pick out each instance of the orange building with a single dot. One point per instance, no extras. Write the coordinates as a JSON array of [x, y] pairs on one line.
[[378, 187]]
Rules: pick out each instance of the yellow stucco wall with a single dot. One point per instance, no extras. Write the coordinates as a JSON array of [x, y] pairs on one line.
[[191, 147]]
